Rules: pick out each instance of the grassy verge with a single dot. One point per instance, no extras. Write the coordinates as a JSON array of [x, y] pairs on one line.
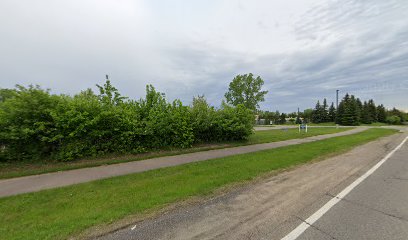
[[67, 211], [18, 169]]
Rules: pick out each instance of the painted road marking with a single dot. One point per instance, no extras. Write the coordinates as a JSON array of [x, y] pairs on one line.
[[319, 213]]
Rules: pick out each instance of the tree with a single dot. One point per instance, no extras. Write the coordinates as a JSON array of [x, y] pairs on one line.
[[307, 115], [359, 109], [332, 113], [324, 111], [365, 114], [347, 113], [317, 113], [396, 112], [246, 90], [372, 110], [381, 113], [282, 119]]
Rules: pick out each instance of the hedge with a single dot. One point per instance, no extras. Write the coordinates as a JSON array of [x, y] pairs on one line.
[[39, 125]]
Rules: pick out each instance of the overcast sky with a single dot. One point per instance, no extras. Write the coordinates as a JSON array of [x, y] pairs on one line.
[[303, 49]]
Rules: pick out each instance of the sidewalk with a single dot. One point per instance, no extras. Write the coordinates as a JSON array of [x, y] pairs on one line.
[[35, 183]]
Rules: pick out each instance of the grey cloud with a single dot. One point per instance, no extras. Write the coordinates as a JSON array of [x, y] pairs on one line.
[[359, 47]]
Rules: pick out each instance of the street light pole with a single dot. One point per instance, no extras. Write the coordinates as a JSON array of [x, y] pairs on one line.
[[337, 100]]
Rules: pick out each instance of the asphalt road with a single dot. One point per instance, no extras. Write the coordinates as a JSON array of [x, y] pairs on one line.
[[273, 207], [376, 209]]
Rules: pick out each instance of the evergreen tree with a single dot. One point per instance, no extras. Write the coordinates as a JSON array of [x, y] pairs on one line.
[[366, 117], [381, 113], [360, 109], [324, 111], [332, 113], [372, 110], [317, 113], [348, 111]]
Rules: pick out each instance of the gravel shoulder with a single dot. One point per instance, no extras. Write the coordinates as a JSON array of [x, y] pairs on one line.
[[267, 209]]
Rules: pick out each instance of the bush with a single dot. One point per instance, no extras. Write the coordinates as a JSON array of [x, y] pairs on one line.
[[39, 125], [393, 120], [233, 123], [226, 123], [203, 120], [27, 125]]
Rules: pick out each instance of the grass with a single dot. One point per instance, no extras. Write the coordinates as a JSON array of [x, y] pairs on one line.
[[376, 124], [18, 169], [68, 211]]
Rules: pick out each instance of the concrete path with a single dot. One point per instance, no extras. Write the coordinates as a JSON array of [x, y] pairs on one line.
[[35, 183]]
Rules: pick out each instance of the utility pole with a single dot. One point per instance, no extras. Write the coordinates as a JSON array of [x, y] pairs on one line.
[[337, 100]]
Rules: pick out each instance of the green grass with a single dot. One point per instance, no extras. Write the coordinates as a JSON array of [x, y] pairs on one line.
[[291, 133], [63, 212], [376, 124], [18, 169], [322, 124]]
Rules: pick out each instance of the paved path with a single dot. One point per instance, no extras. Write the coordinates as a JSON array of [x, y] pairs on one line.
[[273, 207], [34, 183]]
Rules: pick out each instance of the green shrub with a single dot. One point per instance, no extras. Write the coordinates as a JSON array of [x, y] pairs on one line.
[[393, 120], [38, 125], [203, 120], [26, 123]]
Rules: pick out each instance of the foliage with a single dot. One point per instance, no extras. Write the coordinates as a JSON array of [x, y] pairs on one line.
[[353, 112], [332, 113], [269, 116], [246, 90], [393, 119], [308, 115], [28, 129], [38, 125], [348, 112], [381, 113]]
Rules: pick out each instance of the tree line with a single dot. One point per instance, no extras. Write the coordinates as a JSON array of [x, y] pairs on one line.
[[351, 111]]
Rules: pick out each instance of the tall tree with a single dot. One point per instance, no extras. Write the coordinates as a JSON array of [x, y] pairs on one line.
[[359, 109], [317, 113], [348, 111], [307, 115], [365, 114], [246, 90], [324, 111], [332, 113], [381, 113], [372, 110]]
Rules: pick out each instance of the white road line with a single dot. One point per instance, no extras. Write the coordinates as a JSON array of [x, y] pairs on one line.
[[319, 213]]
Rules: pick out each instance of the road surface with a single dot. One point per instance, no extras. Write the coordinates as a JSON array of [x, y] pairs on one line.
[[271, 208], [376, 209]]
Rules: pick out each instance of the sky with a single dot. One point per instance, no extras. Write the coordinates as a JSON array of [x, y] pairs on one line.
[[304, 50]]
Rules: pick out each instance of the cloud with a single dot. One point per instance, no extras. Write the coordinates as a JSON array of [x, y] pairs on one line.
[[303, 50]]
